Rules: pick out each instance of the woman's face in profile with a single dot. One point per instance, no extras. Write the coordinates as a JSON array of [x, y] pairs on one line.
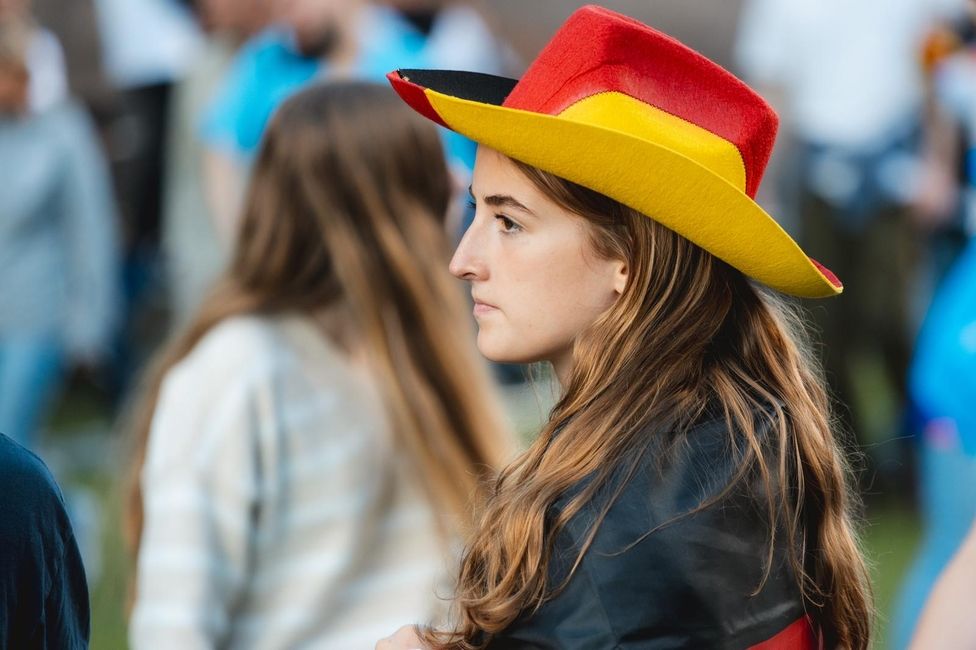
[[535, 278]]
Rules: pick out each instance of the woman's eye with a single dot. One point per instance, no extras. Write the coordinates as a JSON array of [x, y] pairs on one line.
[[471, 204], [507, 224]]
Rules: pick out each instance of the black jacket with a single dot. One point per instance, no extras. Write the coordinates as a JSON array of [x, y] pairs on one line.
[[688, 584]]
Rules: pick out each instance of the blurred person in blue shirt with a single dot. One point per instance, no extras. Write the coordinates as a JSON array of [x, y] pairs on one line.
[[314, 39], [58, 295], [942, 382]]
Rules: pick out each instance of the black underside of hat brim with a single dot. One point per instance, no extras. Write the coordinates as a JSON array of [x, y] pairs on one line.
[[473, 86]]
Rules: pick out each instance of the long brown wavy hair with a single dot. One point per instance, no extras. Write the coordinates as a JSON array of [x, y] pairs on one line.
[[345, 216], [688, 332]]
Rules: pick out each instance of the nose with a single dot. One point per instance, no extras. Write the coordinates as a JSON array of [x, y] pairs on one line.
[[467, 262]]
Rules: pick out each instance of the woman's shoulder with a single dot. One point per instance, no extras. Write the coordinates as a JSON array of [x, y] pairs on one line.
[[26, 478], [674, 554], [252, 345], [679, 469], [249, 381], [702, 474], [42, 580], [231, 349], [276, 361]]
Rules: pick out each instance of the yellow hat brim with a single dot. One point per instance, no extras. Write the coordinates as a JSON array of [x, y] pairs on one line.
[[657, 181]]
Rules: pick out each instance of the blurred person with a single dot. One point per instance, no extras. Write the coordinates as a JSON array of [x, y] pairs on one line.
[[948, 621], [193, 254], [315, 39], [846, 79], [947, 192], [943, 389], [147, 46], [235, 20], [311, 446], [43, 592], [45, 60], [942, 381], [688, 490], [75, 25], [58, 244]]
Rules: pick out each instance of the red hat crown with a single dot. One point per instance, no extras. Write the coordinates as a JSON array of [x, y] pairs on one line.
[[599, 51]]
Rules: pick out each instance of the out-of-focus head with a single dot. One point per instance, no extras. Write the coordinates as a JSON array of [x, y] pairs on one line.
[[14, 8], [415, 5], [318, 25], [14, 75], [240, 17], [344, 169]]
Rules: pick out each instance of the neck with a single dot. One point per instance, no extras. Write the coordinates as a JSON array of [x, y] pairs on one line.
[[562, 364]]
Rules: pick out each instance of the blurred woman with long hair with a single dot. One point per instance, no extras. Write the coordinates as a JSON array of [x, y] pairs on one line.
[[688, 490], [311, 446]]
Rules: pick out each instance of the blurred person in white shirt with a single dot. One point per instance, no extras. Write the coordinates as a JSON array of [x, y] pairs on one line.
[[310, 447]]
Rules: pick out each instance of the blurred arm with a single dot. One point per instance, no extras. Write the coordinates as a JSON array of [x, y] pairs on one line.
[[225, 182], [947, 620], [230, 130]]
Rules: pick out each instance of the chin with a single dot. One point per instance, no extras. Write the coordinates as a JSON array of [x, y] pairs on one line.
[[499, 352]]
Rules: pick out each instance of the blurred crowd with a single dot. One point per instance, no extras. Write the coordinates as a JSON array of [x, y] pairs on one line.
[[131, 139]]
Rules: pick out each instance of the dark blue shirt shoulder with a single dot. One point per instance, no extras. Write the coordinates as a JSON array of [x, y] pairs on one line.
[[43, 592]]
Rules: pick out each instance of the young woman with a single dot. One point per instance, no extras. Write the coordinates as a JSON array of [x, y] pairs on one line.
[[688, 490], [309, 449]]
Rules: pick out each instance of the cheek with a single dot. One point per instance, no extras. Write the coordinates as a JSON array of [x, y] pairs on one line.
[[571, 300], [545, 308]]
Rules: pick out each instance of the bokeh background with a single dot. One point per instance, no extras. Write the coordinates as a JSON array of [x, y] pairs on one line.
[[871, 172]]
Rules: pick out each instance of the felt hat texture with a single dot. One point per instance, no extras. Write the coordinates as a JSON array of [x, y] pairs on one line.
[[630, 112]]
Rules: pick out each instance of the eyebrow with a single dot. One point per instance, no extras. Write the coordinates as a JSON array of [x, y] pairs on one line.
[[504, 201]]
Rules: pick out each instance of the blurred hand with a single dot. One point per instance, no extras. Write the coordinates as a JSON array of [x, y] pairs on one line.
[[403, 639], [947, 620]]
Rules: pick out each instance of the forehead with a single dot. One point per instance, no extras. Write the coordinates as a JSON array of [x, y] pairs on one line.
[[495, 176], [494, 172]]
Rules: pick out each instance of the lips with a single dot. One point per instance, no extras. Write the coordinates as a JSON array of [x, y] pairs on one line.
[[482, 308]]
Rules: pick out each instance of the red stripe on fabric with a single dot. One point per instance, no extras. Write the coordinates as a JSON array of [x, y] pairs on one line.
[[415, 96], [598, 50], [833, 279], [799, 635]]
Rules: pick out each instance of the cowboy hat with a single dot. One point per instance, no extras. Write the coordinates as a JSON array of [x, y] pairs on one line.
[[627, 111]]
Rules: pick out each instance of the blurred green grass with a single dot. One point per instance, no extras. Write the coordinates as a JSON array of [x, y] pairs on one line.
[[890, 538]]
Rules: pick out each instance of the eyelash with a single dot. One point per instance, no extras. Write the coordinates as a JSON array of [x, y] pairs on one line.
[[509, 226]]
